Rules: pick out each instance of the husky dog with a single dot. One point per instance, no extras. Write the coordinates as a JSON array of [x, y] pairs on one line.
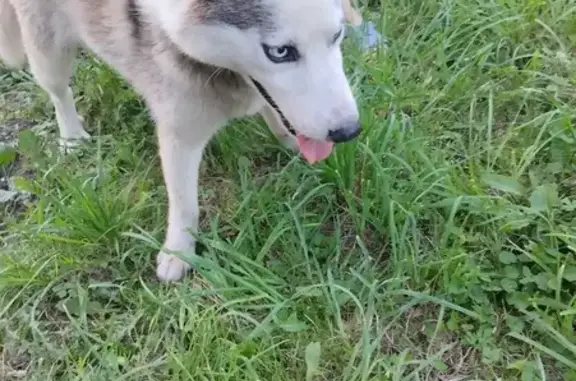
[[197, 64]]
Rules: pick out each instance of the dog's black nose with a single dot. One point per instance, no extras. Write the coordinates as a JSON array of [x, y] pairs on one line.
[[346, 133]]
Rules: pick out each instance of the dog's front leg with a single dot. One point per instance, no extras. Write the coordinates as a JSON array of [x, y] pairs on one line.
[[180, 163], [182, 136]]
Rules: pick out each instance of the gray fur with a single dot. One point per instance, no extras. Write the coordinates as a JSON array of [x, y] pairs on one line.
[[135, 18], [146, 35], [220, 80], [151, 43], [242, 14]]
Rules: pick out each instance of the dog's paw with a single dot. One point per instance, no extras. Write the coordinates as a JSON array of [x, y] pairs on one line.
[[170, 268], [70, 144]]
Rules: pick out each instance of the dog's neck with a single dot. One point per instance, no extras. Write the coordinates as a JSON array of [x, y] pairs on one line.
[[148, 29], [144, 22]]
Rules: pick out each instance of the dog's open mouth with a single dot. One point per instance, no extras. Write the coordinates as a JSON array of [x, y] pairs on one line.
[[313, 150]]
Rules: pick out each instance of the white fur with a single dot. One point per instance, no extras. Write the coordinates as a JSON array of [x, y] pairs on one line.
[[313, 93], [11, 48]]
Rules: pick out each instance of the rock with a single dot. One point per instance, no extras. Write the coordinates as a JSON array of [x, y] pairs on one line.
[[7, 196]]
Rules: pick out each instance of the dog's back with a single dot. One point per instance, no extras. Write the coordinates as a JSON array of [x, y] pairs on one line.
[[39, 26]]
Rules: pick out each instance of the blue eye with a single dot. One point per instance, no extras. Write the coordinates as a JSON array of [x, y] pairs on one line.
[[281, 54]]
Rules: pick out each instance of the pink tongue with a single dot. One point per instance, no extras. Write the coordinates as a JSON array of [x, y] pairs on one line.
[[314, 150]]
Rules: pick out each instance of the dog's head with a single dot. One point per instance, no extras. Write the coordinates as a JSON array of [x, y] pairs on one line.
[[288, 49]]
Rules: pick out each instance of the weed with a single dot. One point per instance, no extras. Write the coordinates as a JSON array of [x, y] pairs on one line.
[[439, 246]]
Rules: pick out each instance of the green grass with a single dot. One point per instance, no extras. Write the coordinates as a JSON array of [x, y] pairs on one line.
[[439, 246]]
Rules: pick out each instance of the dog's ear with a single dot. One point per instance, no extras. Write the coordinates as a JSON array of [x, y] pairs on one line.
[[351, 14]]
